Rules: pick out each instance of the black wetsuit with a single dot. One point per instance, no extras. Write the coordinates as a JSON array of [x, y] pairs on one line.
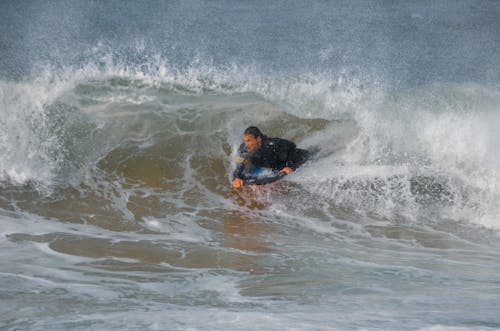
[[274, 153]]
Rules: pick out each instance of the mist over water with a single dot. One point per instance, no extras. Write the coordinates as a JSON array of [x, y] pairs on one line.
[[120, 124]]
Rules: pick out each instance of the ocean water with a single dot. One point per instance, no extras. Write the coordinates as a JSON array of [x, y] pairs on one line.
[[119, 127]]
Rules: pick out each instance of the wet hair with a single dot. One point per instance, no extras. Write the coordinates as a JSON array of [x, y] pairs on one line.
[[254, 131]]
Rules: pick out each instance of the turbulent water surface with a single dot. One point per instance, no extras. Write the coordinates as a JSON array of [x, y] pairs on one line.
[[119, 127]]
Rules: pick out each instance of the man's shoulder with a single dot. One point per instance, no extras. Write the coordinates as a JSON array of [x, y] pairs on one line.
[[272, 141], [279, 142]]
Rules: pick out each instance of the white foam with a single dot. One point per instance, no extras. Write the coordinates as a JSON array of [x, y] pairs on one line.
[[180, 227], [448, 132]]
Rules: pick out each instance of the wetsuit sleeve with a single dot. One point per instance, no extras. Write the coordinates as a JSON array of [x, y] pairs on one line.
[[288, 149], [240, 164], [238, 172]]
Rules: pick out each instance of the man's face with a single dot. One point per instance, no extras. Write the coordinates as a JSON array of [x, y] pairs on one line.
[[252, 144]]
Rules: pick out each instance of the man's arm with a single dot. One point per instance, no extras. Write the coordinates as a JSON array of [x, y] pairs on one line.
[[238, 172], [237, 181], [240, 166], [288, 155]]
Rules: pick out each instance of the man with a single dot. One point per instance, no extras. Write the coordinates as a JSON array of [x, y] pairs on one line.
[[259, 151]]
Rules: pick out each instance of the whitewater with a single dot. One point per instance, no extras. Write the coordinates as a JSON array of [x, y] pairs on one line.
[[119, 130]]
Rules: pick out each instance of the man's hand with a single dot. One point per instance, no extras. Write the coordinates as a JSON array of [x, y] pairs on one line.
[[237, 183], [287, 170]]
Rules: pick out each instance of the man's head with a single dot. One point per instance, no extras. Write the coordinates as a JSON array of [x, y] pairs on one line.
[[252, 138]]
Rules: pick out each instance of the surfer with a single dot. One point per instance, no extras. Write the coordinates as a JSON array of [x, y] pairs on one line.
[[259, 151]]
